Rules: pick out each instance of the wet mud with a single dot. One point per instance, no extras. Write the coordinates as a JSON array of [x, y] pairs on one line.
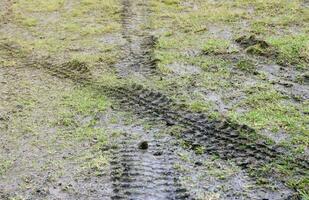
[[148, 172], [138, 49], [145, 173]]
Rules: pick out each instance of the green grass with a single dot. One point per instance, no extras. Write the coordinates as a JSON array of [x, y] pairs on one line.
[[292, 49], [246, 65], [85, 101], [210, 29], [269, 109], [217, 46], [74, 31], [40, 5], [4, 166]]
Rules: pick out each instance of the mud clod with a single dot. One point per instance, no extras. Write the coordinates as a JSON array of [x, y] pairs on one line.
[[247, 41], [158, 153], [143, 145], [256, 46]]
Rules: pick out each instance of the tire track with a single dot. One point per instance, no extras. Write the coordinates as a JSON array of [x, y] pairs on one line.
[[139, 174], [221, 138], [138, 50], [145, 174]]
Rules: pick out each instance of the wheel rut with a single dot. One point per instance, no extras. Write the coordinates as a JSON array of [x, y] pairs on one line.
[[220, 138], [149, 174], [136, 173], [138, 50], [145, 174]]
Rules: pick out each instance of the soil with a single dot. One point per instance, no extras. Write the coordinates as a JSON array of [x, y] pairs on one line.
[[159, 148]]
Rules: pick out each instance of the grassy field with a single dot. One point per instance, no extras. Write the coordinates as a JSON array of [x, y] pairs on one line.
[[236, 44], [243, 61]]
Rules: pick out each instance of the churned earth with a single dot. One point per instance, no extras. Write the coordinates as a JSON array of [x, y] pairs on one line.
[[148, 99]]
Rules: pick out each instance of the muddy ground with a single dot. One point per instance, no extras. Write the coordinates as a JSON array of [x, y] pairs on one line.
[[146, 99]]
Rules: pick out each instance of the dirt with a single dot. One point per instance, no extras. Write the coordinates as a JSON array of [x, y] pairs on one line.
[[159, 149]]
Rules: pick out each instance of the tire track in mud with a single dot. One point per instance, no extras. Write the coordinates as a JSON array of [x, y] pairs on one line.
[[145, 174], [138, 50], [5, 11], [137, 174], [221, 138], [142, 174]]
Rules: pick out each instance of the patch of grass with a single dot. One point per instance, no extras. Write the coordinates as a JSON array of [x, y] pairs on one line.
[[205, 107], [293, 50], [85, 101], [4, 166], [98, 164], [304, 195], [217, 46], [171, 2], [40, 5], [28, 21], [246, 65], [214, 168], [7, 62], [73, 31], [268, 109], [216, 80], [200, 150]]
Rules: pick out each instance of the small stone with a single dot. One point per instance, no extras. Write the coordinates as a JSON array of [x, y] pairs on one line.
[[143, 145]]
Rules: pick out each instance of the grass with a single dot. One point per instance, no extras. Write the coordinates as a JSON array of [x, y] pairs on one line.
[[40, 5], [209, 28], [4, 166], [268, 109], [292, 49], [246, 65], [53, 29], [85, 101], [217, 46]]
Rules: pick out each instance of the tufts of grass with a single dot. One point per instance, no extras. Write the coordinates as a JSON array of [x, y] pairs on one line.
[[268, 109], [217, 46], [246, 65], [4, 166], [292, 50], [85, 101]]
